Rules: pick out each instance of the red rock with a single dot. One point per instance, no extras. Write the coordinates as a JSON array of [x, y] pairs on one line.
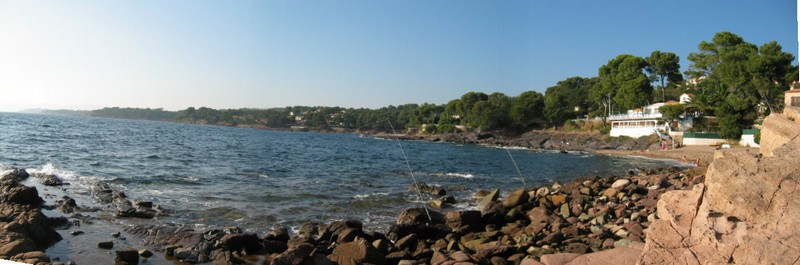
[[558, 259], [558, 199], [540, 215], [621, 255], [516, 198], [360, 251]]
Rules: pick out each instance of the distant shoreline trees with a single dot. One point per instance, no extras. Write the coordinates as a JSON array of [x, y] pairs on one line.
[[730, 79]]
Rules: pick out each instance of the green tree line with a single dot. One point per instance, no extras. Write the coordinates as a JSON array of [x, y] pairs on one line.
[[731, 79]]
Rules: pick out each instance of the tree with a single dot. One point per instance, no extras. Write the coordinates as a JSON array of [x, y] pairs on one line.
[[624, 81], [568, 99], [672, 112], [525, 109], [737, 77], [664, 66]]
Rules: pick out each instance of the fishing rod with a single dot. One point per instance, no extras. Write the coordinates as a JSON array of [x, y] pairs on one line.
[[524, 185], [408, 166]]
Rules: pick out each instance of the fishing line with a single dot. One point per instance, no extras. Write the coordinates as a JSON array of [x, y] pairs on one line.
[[408, 165], [524, 185]]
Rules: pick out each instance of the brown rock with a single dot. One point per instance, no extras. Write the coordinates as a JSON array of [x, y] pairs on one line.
[[578, 248], [540, 215], [129, 256], [274, 246], [492, 249], [490, 198], [458, 219], [419, 216], [744, 212], [236, 242], [530, 261], [558, 199], [407, 242], [558, 259], [13, 244], [610, 193], [360, 251], [776, 131], [318, 259], [295, 255], [622, 255], [516, 198]]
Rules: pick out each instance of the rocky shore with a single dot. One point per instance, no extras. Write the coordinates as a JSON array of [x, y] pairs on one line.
[[742, 210], [560, 221], [540, 139]]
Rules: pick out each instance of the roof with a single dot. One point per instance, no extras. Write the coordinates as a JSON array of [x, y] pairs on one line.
[[792, 91], [672, 102]]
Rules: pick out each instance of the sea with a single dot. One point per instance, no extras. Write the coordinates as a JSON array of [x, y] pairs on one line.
[[215, 176]]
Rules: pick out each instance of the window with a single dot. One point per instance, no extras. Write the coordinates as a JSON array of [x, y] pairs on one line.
[[796, 101]]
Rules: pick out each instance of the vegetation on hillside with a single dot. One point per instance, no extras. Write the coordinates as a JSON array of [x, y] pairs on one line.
[[731, 79]]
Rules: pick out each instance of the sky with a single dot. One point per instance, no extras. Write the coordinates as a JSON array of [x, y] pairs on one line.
[[266, 54]]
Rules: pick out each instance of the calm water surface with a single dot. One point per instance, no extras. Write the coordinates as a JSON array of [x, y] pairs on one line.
[[220, 176]]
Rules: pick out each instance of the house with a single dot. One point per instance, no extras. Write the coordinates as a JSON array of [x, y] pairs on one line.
[[638, 122], [792, 97], [686, 98]]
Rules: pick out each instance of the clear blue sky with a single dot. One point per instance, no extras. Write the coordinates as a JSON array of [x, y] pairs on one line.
[[263, 54]]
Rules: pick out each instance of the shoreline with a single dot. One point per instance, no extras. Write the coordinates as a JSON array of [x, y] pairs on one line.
[[586, 215]]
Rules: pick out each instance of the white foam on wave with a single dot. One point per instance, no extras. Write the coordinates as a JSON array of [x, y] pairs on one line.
[[459, 175], [191, 178], [364, 196]]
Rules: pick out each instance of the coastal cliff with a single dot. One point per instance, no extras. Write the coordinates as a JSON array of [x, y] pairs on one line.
[[745, 212]]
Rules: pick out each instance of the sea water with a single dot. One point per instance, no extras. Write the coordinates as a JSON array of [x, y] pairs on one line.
[[210, 176]]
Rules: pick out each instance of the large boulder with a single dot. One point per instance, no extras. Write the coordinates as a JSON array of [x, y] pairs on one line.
[[778, 129], [361, 251], [420, 216], [745, 213]]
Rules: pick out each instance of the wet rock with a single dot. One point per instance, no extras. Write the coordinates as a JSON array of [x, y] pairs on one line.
[[295, 255], [420, 216], [66, 204], [308, 229], [429, 189], [49, 179], [350, 234], [14, 193], [128, 256], [145, 253], [278, 233], [487, 200], [274, 246], [105, 245], [15, 175], [236, 242]]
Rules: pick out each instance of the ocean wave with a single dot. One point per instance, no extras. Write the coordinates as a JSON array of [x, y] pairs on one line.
[[460, 175], [364, 196]]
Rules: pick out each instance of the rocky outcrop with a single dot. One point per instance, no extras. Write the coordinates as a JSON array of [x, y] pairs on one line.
[[779, 129], [26, 231], [744, 213], [539, 139], [121, 206]]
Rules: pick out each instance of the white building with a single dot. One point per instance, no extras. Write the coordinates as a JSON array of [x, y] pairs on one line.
[[686, 98], [637, 123]]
